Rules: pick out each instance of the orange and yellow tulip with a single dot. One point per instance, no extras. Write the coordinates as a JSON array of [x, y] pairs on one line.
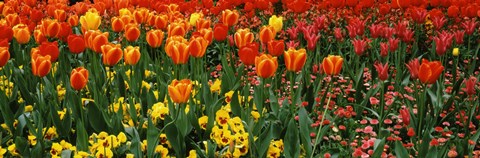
[[198, 47], [111, 54], [41, 65], [50, 49], [12, 19], [79, 78], [230, 17], [155, 38], [295, 59], [140, 15], [73, 20], [4, 56], [21, 33], [179, 91], [203, 24], [207, 34], [117, 24], [332, 64], [177, 29], [243, 37], [50, 28], [267, 34], [266, 65], [178, 50], [60, 15], [90, 21], [131, 55], [276, 47], [132, 32], [160, 21], [39, 37], [95, 39], [430, 71]]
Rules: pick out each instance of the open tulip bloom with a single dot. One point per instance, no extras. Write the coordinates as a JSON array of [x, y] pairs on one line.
[[239, 78]]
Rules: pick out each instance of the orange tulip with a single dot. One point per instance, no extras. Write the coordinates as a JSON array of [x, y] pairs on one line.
[[12, 19], [41, 65], [267, 34], [155, 38], [111, 54], [243, 37], [60, 15], [76, 43], [117, 24], [161, 21], [50, 49], [276, 47], [332, 64], [21, 33], [50, 28], [220, 31], [95, 39], [177, 29], [132, 32], [266, 65], [207, 34], [4, 56], [179, 91], [230, 17], [141, 15], [429, 72], [177, 50], [131, 55], [295, 59], [203, 24], [39, 37], [79, 78], [197, 47], [73, 20]]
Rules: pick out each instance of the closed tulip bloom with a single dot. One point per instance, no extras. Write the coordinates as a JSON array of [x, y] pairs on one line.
[[21, 33], [382, 71], [455, 52], [276, 22], [230, 17], [41, 65], [141, 15], [161, 21], [132, 32], [198, 47], [295, 59], [220, 32], [95, 40], [12, 19], [429, 72], [79, 78], [117, 24], [332, 64], [207, 34], [76, 43], [276, 47], [203, 24], [194, 17], [243, 37], [469, 84], [155, 38], [60, 15], [39, 37], [177, 29], [178, 51], [248, 53], [4, 56], [179, 91], [131, 55], [266, 65], [73, 20], [111, 54], [49, 48], [90, 21], [413, 67], [267, 34]]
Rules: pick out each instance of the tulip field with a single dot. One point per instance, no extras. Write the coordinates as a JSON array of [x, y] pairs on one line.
[[240, 78]]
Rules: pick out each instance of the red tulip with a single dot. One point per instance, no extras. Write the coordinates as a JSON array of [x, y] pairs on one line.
[[413, 67], [382, 71], [470, 86], [49, 48], [79, 78], [359, 46], [4, 56], [76, 43], [220, 32], [276, 47], [429, 72], [248, 53], [405, 114]]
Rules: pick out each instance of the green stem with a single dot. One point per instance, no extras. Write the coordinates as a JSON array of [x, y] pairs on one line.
[[321, 122]]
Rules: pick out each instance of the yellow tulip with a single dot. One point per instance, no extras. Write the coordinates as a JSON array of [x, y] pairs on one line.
[[276, 22], [194, 17], [90, 21], [455, 52]]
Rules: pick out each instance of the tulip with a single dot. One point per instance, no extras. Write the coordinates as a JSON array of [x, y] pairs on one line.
[[203, 24], [177, 29], [49, 48], [90, 21], [140, 15], [267, 33], [76, 43], [6, 33], [41, 65], [4, 56], [111, 54], [117, 24], [131, 55], [207, 34], [179, 91], [178, 51], [39, 37], [332, 64], [413, 67], [79, 78], [194, 17], [295, 59], [243, 37], [382, 71], [266, 65], [429, 72], [95, 40], [155, 38], [248, 53], [359, 46], [73, 20], [276, 47], [12, 19], [455, 52], [132, 32], [60, 15], [161, 21], [469, 85], [21, 33], [276, 22], [198, 47], [405, 116], [230, 17], [220, 32]]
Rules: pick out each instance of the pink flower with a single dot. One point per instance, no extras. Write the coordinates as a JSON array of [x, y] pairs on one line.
[[438, 22], [459, 36], [374, 101]]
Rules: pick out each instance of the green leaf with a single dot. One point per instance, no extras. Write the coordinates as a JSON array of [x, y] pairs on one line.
[[292, 143], [95, 118], [153, 134], [235, 105], [263, 142], [305, 127], [174, 137], [82, 136], [400, 150], [378, 148]]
